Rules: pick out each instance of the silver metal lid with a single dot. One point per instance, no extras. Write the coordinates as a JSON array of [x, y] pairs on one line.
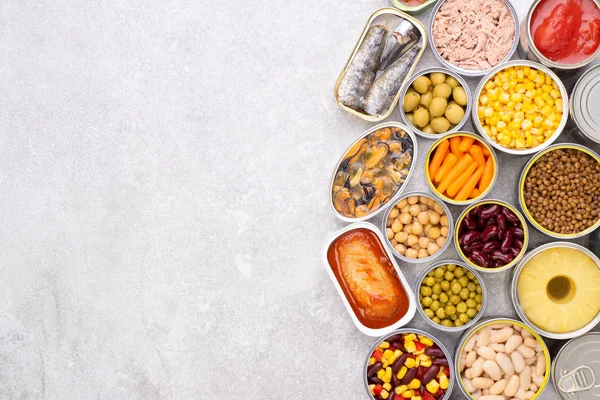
[[585, 108], [576, 369]]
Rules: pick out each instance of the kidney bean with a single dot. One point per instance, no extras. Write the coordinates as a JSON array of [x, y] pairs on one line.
[[491, 221], [480, 258], [430, 373], [372, 370], [507, 241], [489, 211], [497, 264], [469, 237], [501, 222], [517, 232], [399, 363], [473, 246], [433, 352], [395, 380], [470, 221], [510, 216], [480, 224], [513, 251], [518, 243], [490, 246], [376, 380], [490, 232], [398, 345], [499, 255], [440, 361], [410, 375]]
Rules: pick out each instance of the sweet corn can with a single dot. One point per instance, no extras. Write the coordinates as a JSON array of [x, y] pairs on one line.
[[511, 264], [576, 368], [584, 105], [520, 63], [500, 320], [448, 355]]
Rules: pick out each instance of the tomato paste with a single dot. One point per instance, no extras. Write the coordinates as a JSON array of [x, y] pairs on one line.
[[566, 31]]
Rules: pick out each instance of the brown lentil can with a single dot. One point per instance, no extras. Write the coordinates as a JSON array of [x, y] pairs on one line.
[[576, 369], [522, 182], [528, 50], [584, 106]]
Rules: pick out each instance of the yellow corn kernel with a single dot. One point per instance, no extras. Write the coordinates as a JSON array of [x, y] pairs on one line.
[[408, 394], [401, 389], [416, 398], [526, 70], [520, 88], [548, 124], [493, 94], [410, 362], [530, 94], [520, 143], [520, 75], [385, 362], [516, 97], [504, 97], [480, 112], [518, 106], [501, 125], [387, 386], [441, 371], [483, 99], [548, 79], [397, 353], [536, 131], [487, 130], [372, 360], [506, 118], [526, 125], [538, 101], [530, 116], [417, 361], [424, 357], [532, 74], [410, 346], [539, 92], [384, 394], [497, 105], [402, 372], [494, 130], [547, 88], [426, 363], [372, 389], [384, 345], [546, 110], [505, 141], [549, 101], [433, 386], [549, 133], [515, 134], [410, 337], [489, 85], [537, 122], [426, 341], [381, 373], [515, 124], [529, 85], [387, 377], [505, 86], [444, 382], [555, 93], [414, 384], [559, 105], [494, 120], [553, 117], [388, 354]]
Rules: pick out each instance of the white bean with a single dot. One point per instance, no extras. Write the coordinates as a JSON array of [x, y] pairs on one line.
[[484, 338], [529, 394], [526, 334], [540, 366], [486, 353], [482, 383], [512, 343], [517, 361], [498, 387], [462, 362], [468, 385], [520, 394], [531, 342], [534, 388], [505, 363], [476, 394], [512, 386], [501, 325], [471, 357], [468, 373], [492, 369], [485, 392], [530, 360], [477, 368], [470, 343], [497, 347], [525, 378], [502, 335], [491, 397], [537, 379], [526, 351]]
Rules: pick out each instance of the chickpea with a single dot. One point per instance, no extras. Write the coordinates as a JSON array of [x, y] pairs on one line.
[[444, 220], [413, 200], [432, 248], [405, 219], [412, 240], [434, 217], [394, 213], [401, 237], [400, 248], [423, 242], [411, 253], [417, 228], [389, 232], [423, 218], [397, 226], [423, 207], [414, 210], [440, 241], [402, 203], [439, 209], [444, 231], [422, 253], [406, 228], [434, 233]]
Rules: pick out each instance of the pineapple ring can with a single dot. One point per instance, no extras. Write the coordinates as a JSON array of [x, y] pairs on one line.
[[576, 369]]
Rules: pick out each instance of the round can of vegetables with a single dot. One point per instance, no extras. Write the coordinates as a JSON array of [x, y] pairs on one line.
[[576, 367], [554, 290], [465, 303], [532, 114], [418, 227], [491, 236], [584, 106], [559, 212], [445, 113], [504, 357], [554, 34], [461, 168], [409, 363]]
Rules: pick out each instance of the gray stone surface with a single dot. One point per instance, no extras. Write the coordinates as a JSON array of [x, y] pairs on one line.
[[164, 172]]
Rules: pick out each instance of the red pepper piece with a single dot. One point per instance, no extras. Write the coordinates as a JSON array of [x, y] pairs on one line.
[[378, 354], [420, 372], [427, 396], [419, 346], [377, 389]]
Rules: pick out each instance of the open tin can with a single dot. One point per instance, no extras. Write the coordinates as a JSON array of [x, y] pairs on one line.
[[584, 106], [576, 369], [388, 17]]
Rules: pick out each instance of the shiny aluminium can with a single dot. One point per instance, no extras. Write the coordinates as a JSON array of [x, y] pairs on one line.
[[584, 106], [576, 369], [528, 50]]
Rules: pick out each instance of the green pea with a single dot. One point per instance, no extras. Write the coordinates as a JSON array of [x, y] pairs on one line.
[[478, 288], [435, 296], [478, 308], [439, 272], [445, 285], [472, 295], [458, 322], [451, 267], [471, 312], [463, 317], [456, 288], [427, 301], [430, 314], [479, 299], [464, 281], [454, 299], [454, 317], [437, 288], [425, 290], [471, 286], [464, 293], [436, 320], [443, 298], [429, 281], [435, 305], [431, 273], [471, 303], [447, 323], [450, 310], [459, 272], [440, 313], [470, 275], [439, 280], [461, 307], [448, 275], [453, 281]]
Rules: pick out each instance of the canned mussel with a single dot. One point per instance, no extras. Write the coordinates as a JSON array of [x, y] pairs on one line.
[[409, 363], [576, 369], [559, 191]]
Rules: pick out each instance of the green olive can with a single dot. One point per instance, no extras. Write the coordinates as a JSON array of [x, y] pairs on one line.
[[522, 183]]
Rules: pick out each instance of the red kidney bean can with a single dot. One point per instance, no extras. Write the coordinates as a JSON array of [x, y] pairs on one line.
[[576, 368]]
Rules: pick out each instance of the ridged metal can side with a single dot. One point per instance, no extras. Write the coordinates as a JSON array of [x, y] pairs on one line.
[[484, 295], [447, 354], [378, 13], [448, 239], [520, 63], [576, 366], [528, 50], [521, 193], [498, 320], [446, 71], [471, 72], [511, 264], [514, 294], [480, 141]]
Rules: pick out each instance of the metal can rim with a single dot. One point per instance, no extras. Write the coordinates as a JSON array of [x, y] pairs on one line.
[[413, 9], [469, 72], [400, 189], [448, 239], [512, 208], [547, 142], [456, 76], [515, 295], [524, 173], [468, 201], [575, 94], [484, 294]]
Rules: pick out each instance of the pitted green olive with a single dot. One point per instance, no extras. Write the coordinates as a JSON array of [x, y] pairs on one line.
[[421, 84], [459, 95], [454, 113], [411, 101], [437, 78], [438, 106], [442, 90], [440, 124]]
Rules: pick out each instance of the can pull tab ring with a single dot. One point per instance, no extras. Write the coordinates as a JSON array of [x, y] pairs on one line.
[[580, 379]]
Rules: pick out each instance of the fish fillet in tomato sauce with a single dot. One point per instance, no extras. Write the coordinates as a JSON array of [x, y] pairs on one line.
[[368, 278]]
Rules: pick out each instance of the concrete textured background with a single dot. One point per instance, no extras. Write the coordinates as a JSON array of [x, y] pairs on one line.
[[164, 172]]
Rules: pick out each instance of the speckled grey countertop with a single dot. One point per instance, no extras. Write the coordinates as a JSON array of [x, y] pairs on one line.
[[164, 171]]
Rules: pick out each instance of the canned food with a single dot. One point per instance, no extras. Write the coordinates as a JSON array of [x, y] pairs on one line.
[[576, 368], [395, 305], [413, 6], [420, 362], [420, 229], [491, 236], [544, 285], [504, 357], [451, 174], [427, 104], [560, 212], [360, 93], [463, 301], [528, 49], [563, 115], [356, 193], [479, 48], [584, 107]]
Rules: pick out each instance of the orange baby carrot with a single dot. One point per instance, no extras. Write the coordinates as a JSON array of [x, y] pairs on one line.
[[455, 172], [470, 185], [477, 154], [455, 186], [486, 152], [438, 157], [474, 193], [454, 143], [465, 143], [488, 174], [449, 162]]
